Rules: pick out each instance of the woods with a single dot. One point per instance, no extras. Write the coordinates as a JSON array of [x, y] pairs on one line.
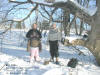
[[58, 12]]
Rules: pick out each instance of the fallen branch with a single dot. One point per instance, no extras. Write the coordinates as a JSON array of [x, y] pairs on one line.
[[80, 52]]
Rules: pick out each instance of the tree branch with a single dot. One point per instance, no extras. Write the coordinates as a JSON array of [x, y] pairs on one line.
[[44, 9], [30, 12], [18, 2], [43, 15], [22, 19], [11, 9], [53, 11]]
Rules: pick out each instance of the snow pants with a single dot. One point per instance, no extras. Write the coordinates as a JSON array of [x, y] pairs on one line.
[[34, 53], [54, 48]]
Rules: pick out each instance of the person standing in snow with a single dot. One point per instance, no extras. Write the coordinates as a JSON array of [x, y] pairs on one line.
[[53, 37], [34, 37]]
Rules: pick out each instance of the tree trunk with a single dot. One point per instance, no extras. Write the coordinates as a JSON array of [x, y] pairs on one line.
[[76, 28], [81, 27], [66, 17], [71, 22], [94, 38]]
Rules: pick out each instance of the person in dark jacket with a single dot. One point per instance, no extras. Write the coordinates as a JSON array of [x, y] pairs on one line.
[[34, 37], [53, 37]]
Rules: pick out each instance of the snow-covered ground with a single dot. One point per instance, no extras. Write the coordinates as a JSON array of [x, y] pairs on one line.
[[14, 59]]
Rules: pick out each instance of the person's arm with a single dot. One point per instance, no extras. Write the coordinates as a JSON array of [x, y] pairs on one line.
[[48, 37], [59, 35], [39, 34], [28, 35]]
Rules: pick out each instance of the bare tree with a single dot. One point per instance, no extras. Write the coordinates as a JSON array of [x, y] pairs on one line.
[[94, 37]]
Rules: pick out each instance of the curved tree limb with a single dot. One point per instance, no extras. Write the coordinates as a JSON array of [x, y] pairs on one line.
[[24, 18], [11, 10]]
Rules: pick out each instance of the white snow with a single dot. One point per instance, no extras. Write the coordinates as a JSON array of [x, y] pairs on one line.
[[43, 1], [14, 59], [55, 71], [90, 10], [73, 37]]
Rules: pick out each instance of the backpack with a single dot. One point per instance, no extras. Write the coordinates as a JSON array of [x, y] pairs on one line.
[[72, 63]]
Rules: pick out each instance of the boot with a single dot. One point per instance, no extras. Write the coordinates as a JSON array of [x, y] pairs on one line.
[[57, 62], [52, 59]]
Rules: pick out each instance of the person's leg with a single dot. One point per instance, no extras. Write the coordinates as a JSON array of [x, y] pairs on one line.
[[56, 52], [32, 54], [52, 56], [57, 59], [51, 51], [37, 54]]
